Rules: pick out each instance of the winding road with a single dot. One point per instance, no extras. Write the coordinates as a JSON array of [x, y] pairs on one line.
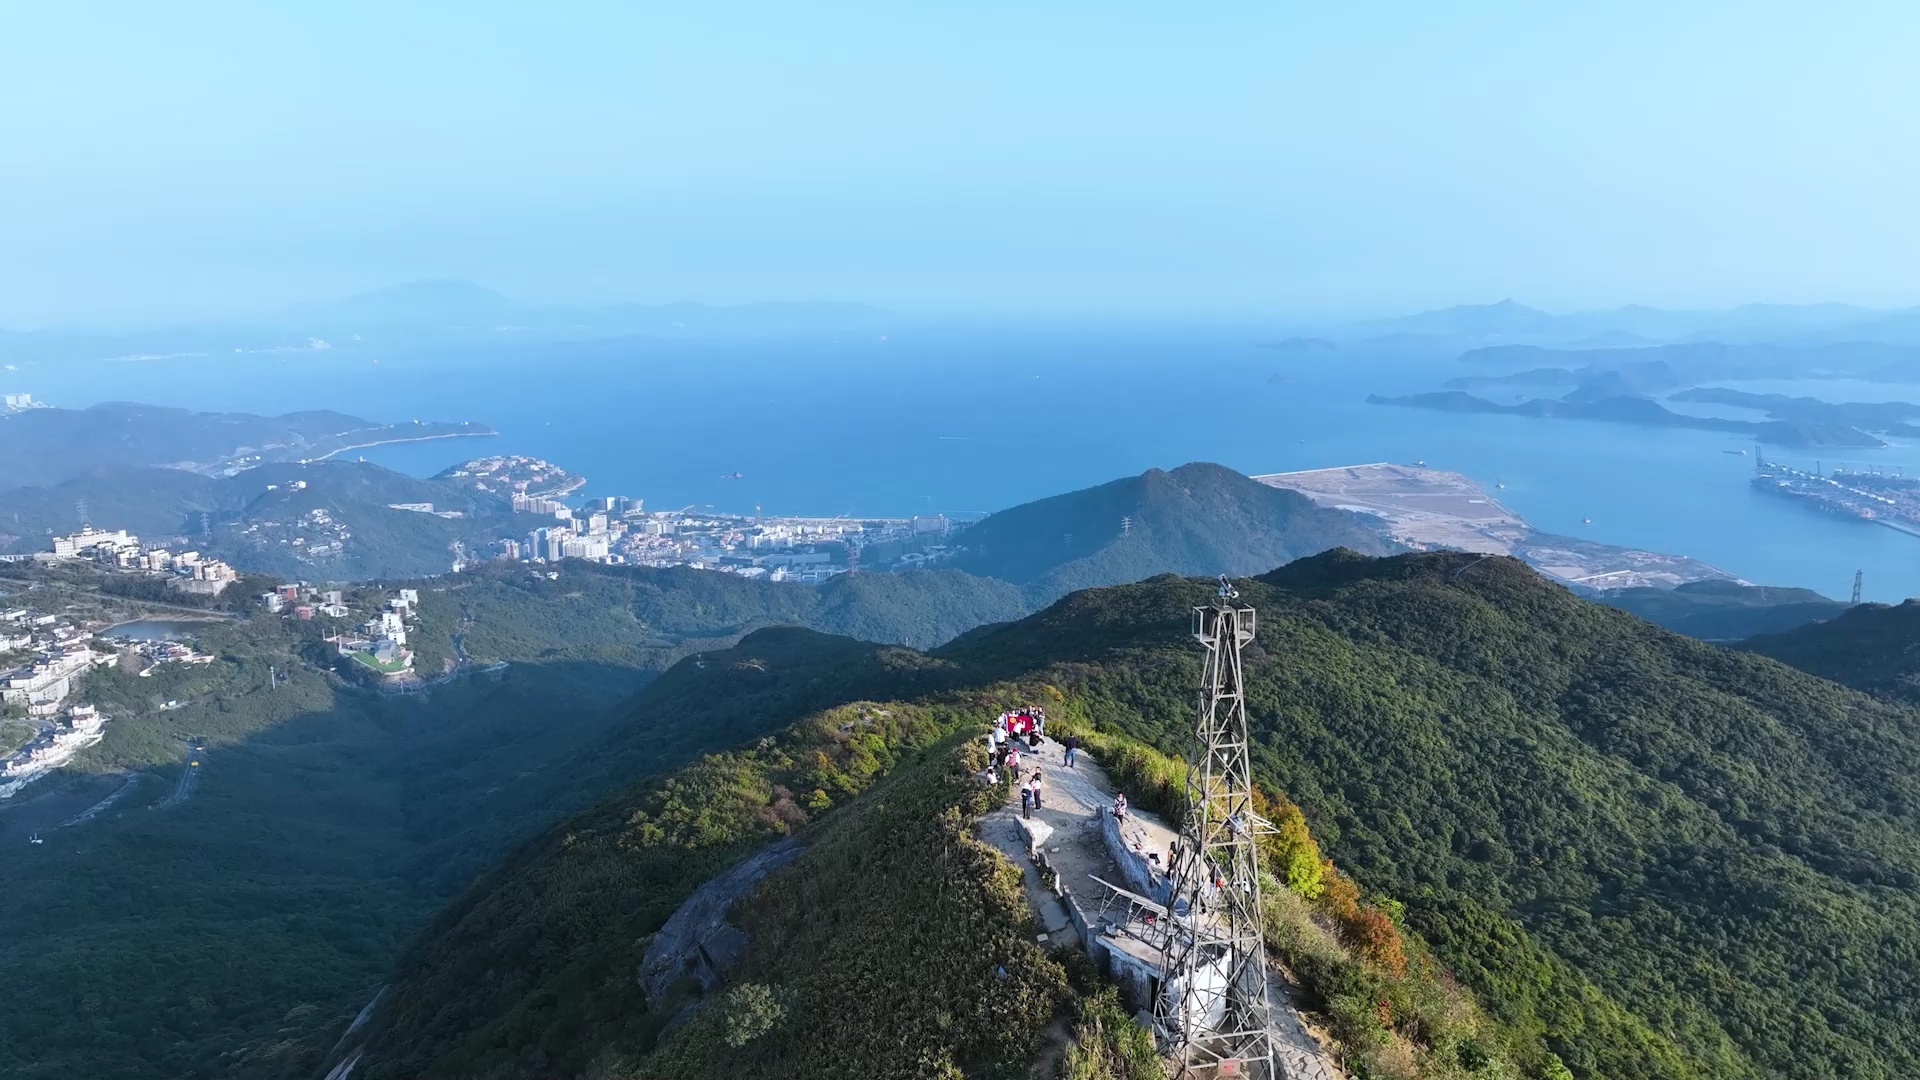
[[189, 777]]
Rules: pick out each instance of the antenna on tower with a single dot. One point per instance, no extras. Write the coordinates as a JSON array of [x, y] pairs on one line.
[[80, 507], [1857, 575], [1212, 1013], [1126, 525]]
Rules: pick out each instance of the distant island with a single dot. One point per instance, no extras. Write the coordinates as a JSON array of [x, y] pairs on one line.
[[51, 445], [1886, 417], [1694, 362], [1803, 432]]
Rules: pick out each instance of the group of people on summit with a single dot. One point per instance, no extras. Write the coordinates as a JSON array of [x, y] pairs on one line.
[[1027, 727], [1010, 732]]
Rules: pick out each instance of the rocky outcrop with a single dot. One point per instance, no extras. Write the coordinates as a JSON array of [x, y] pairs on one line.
[[697, 941], [1128, 841]]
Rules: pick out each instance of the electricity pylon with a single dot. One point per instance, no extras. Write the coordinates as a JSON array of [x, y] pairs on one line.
[[1212, 1009]]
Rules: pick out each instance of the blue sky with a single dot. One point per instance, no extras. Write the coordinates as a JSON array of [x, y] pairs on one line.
[[208, 159]]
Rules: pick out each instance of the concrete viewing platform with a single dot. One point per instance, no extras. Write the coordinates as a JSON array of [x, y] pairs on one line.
[[1093, 881]]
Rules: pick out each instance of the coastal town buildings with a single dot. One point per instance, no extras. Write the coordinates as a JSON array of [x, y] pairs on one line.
[[118, 549], [380, 643]]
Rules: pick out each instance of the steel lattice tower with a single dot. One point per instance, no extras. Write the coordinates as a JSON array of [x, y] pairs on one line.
[[1212, 1009]]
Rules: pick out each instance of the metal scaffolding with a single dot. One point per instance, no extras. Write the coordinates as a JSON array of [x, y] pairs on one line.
[[1212, 1011]]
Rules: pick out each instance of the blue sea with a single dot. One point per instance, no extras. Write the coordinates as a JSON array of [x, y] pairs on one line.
[[971, 419]]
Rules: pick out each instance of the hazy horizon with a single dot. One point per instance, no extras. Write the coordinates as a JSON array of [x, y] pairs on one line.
[[1276, 321], [227, 162]]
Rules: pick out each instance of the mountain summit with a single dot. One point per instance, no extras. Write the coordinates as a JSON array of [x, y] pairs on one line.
[[1198, 519], [1625, 843]]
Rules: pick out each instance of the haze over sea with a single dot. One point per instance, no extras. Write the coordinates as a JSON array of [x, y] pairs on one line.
[[969, 419]]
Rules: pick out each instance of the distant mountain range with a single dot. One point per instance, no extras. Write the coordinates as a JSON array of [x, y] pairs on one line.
[[458, 311], [443, 312]]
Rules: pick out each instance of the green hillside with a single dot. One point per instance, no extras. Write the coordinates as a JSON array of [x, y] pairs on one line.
[[1724, 610], [151, 503], [533, 972], [1629, 842], [1872, 647], [1196, 519], [332, 822], [612, 611], [1646, 855]]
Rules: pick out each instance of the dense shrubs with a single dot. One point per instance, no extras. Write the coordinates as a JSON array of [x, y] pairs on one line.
[[1646, 857]]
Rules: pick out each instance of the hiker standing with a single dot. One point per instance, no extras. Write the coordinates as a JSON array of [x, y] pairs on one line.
[[1035, 785], [1073, 746], [1026, 800]]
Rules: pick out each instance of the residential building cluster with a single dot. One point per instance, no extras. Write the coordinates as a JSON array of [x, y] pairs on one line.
[[538, 504], [156, 653], [21, 403], [427, 508], [52, 745], [613, 529], [313, 537], [54, 653], [516, 475], [304, 601], [380, 643], [120, 550], [42, 657]]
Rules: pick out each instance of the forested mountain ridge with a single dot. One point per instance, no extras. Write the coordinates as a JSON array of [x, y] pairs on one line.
[[679, 604], [1872, 647], [1197, 519], [331, 821], [1648, 856], [1715, 610]]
